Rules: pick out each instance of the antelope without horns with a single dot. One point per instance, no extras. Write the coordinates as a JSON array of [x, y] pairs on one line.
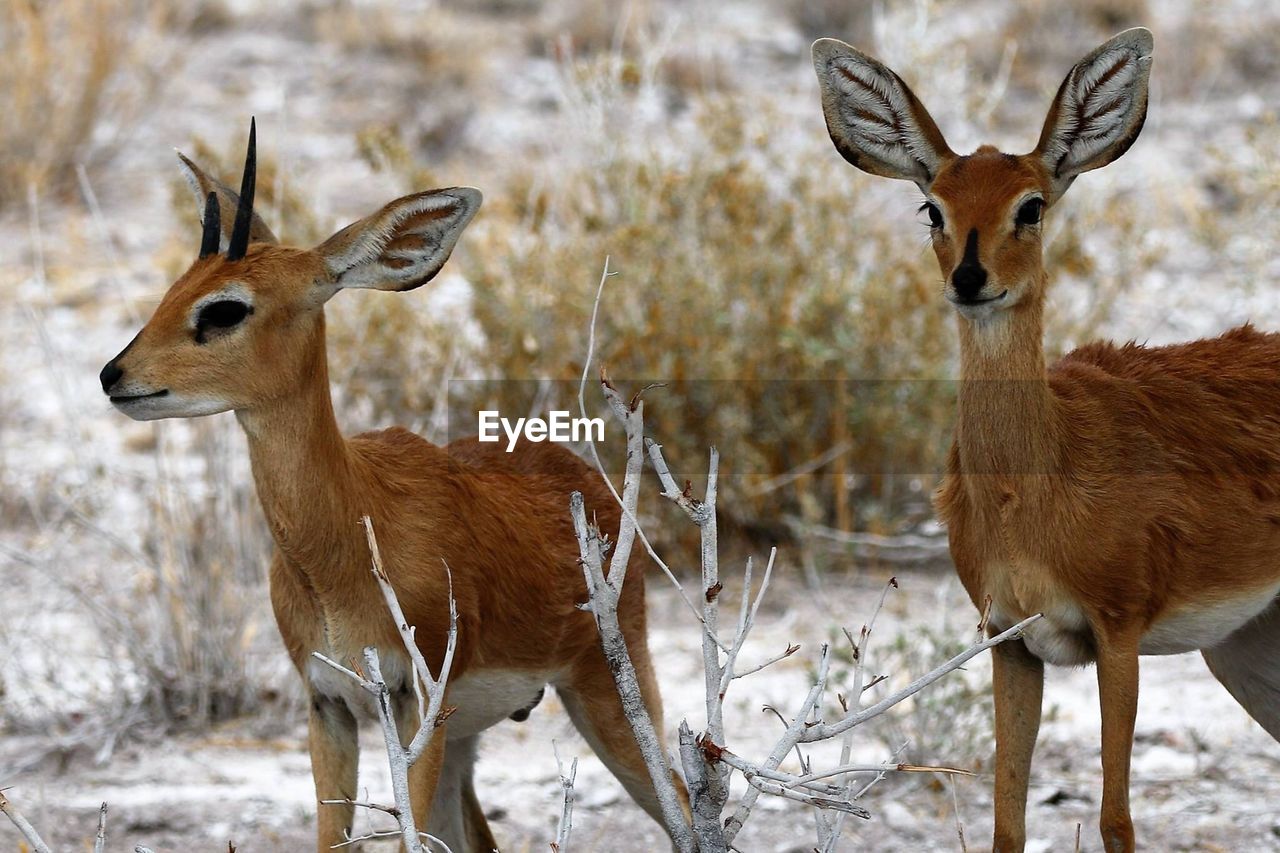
[[1130, 494], [243, 330]]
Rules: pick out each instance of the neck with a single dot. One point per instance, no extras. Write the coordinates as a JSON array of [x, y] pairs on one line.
[[1007, 423], [302, 467]]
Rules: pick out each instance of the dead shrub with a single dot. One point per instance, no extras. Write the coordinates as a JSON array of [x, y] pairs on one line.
[[71, 74], [776, 295], [180, 621]]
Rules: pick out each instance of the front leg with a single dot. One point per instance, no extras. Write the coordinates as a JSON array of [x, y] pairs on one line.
[[1018, 679], [335, 753], [424, 774], [1118, 692]]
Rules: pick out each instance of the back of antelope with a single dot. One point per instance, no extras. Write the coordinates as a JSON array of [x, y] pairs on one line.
[[244, 330], [1129, 494]]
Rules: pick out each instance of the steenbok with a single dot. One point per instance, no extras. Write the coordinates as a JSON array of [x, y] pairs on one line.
[[1130, 494], [243, 330]]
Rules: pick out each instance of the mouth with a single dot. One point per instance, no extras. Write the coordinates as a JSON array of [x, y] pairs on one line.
[[133, 398], [969, 303]]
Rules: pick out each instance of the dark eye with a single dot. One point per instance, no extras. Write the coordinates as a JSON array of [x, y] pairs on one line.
[[935, 215], [222, 314], [1030, 211]]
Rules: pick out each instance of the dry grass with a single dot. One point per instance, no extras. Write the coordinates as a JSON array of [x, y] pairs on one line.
[[848, 20], [787, 313], [173, 609], [72, 73], [178, 613]]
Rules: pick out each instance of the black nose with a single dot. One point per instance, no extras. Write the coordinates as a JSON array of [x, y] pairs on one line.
[[110, 375], [968, 280]]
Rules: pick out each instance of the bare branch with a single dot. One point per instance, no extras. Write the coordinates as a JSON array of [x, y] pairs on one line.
[[429, 710], [595, 454], [603, 601], [100, 840], [858, 648], [824, 731], [783, 655], [565, 827], [704, 799], [24, 827], [790, 737], [768, 786]]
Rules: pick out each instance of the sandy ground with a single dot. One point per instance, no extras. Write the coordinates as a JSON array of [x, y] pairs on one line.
[[1205, 777]]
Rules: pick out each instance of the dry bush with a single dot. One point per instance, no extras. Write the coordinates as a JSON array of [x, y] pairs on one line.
[[1239, 221], [787, 310], [1051, 34], [138, 631], [742, 284], [582, 28], [434, 40], [848, 20], [438, 56], [178, 614], [71, 74]]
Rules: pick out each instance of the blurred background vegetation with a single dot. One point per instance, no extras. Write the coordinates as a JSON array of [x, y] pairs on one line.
[[791, 302]]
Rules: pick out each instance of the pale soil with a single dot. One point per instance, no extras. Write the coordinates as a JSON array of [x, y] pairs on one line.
[[1205, 777]]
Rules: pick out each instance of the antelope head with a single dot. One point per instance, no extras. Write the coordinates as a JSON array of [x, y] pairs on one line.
[[986, 208], [244, 325]]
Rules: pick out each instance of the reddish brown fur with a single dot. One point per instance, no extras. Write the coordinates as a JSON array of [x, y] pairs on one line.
[[1131, 495], [500, 521]]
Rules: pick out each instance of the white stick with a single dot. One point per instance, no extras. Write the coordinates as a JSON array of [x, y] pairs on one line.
[[704, 799], [565, 827], [431, 710], [100, 840], [595, 454], [790, 737], [603, 603], [24, 828], [824, 731], [859, 652]]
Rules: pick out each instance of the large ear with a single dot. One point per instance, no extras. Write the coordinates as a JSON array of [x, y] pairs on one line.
[[403, 245], [1099, 108], [874, 119], [228, 201]]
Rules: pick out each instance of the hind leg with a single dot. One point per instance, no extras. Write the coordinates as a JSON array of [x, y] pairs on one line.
[[591, 698], [1248, 665], [456, 816]]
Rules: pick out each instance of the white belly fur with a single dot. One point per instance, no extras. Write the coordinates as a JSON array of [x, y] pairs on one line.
[[1060, 637], [482, 698], [1203, 626], [488, 696]]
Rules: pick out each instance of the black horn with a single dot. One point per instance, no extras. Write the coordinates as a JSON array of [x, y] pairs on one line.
[[244, 213], [212, 226]]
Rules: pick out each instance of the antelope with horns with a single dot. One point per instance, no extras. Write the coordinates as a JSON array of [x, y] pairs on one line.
[[244, 330], [1129, 494]]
